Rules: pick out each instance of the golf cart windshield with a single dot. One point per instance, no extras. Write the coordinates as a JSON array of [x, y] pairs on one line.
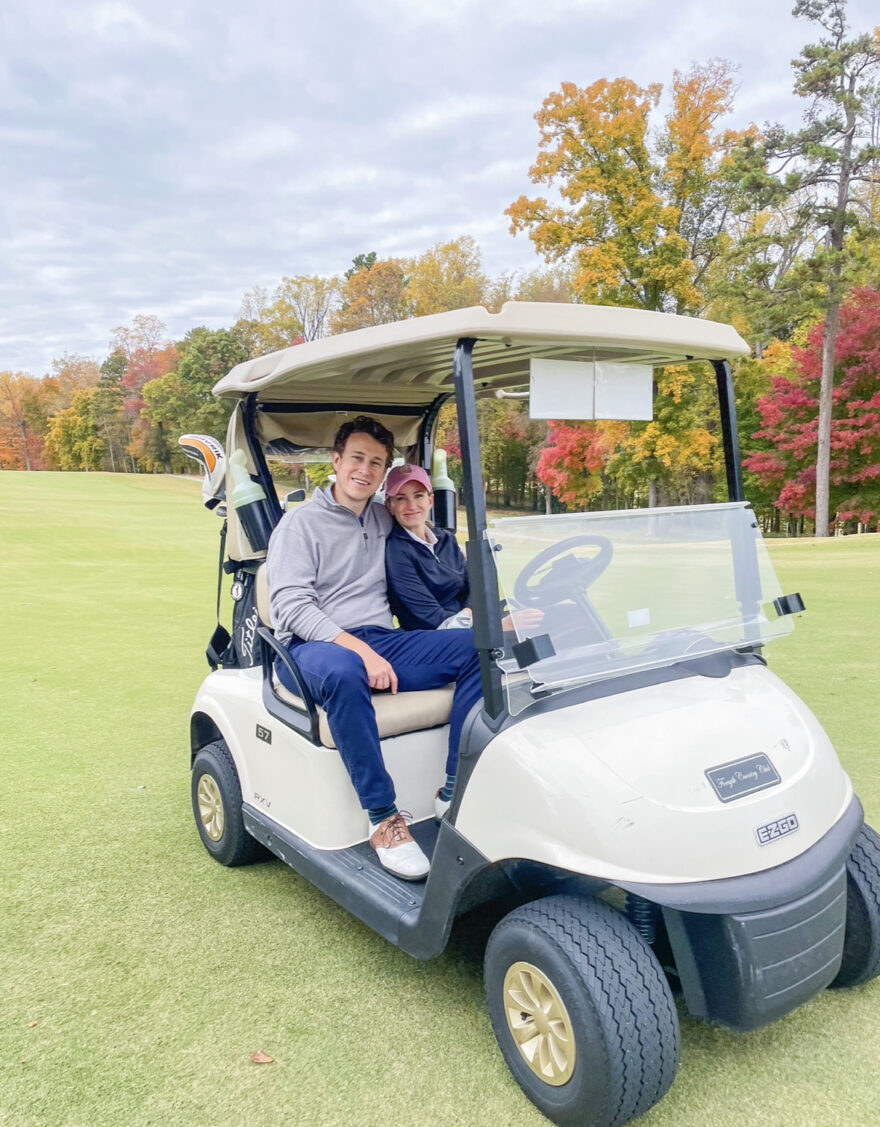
[[628, 591]]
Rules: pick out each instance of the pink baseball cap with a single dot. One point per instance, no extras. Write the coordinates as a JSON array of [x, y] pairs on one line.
[[400, 475]]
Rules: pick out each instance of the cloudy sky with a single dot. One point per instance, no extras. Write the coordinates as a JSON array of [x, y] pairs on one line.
[[164, 158]]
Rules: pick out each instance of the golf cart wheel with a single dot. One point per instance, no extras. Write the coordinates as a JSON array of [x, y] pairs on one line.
[[582, 1011], [216, 800], [861, 942]]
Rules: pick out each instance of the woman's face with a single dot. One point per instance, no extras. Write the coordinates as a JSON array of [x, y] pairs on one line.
[[411, 505]]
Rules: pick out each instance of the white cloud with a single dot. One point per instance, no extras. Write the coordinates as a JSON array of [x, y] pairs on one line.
[[166, 157], [116, 23]]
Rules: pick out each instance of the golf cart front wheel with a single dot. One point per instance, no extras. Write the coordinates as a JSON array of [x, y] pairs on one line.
[[582, 1011], [216, 801], [861, 941]]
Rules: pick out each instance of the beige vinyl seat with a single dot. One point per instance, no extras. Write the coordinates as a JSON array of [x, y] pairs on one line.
[[395, 714]]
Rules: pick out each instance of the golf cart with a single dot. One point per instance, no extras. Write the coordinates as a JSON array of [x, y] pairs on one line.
[[649, 803]]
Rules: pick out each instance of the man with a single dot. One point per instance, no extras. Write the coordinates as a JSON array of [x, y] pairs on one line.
[[326, 573]]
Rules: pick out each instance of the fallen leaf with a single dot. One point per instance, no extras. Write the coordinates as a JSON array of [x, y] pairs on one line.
[[262, 1058], [31, 1024]]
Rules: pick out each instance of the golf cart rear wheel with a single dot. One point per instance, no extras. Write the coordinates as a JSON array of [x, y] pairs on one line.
[[216, 800], [861, 942], [582, 1011]]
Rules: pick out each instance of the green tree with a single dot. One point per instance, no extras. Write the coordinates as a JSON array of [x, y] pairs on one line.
[[182, 401]]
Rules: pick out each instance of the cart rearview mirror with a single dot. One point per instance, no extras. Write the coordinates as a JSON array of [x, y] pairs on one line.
[[590, 389]]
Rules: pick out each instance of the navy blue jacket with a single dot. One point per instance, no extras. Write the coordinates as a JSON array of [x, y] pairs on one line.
[[425, 587]]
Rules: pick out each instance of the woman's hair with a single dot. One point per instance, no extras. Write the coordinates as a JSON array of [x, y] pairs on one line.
[[363, 424]]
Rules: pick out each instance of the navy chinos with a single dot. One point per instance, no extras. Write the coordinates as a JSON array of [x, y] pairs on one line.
[[337, 679]]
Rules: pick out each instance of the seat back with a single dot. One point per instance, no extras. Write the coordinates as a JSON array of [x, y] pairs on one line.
[[395, 715]]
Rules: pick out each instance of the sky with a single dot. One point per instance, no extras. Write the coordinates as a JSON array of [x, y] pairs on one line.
[[165, 158]]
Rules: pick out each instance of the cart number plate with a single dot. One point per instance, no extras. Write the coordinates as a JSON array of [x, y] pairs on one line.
[[772, 831], [742, 776]]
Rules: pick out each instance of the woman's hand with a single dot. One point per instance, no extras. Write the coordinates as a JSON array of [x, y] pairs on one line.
[[524, 619]]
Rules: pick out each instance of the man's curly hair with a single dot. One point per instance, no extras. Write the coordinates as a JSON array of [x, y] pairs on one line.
[[363, 424]]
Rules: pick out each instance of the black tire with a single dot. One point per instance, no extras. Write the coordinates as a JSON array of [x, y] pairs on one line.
[[216, 802], [619, 1010], [861, 941]]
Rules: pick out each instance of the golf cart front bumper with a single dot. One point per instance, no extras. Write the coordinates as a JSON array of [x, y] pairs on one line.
[[748, 950]]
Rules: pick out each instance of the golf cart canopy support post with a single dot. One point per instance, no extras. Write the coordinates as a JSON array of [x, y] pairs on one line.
[[729, 430], [249, 412], [488, 634]]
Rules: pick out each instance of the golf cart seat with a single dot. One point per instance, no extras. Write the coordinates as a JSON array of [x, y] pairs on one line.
[[395, 714]]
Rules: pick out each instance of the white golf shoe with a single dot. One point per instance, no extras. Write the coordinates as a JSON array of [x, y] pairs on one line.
[[397, 851]]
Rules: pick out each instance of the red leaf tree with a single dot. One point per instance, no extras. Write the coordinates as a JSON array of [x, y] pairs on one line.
[[790, 419]]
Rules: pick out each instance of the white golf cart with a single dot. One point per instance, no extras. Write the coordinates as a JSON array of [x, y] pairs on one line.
[[651, 802]]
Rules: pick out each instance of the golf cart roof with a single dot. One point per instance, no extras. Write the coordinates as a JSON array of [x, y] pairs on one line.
[[409, 363]]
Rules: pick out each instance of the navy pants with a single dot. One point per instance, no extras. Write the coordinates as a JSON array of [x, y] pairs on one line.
[[337, 679]]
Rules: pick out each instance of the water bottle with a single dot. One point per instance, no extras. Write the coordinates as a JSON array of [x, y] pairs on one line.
[[444, 492], [249, 501]]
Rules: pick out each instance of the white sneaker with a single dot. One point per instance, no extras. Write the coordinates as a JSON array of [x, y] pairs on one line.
[[397, 851], [441, 806]]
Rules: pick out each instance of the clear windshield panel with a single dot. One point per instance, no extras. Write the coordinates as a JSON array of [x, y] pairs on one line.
[[604, 594]]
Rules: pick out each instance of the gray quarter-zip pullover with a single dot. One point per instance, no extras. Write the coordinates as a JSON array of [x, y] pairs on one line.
[[326, 570]]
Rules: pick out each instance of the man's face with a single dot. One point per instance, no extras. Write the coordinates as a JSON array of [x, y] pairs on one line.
[[411, 505], [360, 469]]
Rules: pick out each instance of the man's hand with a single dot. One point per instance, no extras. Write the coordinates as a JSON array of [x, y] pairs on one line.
[[380, 673]]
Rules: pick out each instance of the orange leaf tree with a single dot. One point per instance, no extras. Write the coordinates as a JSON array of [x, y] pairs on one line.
[[641, 218]]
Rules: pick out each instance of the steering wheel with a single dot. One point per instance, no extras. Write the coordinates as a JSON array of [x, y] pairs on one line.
[[566, 576]]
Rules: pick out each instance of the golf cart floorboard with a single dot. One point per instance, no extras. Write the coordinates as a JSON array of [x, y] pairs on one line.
[[354, 878]]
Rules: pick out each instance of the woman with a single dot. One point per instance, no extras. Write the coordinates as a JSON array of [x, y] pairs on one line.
[[427, 577], [425, 569], [426, 573]]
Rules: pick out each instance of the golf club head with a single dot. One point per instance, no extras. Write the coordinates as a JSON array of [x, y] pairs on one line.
[[208, 452]]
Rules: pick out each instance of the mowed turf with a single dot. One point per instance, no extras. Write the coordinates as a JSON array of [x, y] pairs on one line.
[[137, 976]]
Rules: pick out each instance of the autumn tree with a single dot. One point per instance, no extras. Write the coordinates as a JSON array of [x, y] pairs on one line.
[[300, 308], [374, 293], [448, 276], [673, 459], [641, 218], [74, 441], [822, 164], [789, 434], [20, 416], [182, 400]]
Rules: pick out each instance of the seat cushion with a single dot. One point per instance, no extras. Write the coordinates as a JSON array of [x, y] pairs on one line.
[[395, 713]]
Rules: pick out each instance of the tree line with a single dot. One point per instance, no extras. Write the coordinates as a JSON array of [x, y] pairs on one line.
[[646, 202]]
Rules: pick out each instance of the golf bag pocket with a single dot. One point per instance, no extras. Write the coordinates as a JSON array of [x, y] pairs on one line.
[[245, 619]]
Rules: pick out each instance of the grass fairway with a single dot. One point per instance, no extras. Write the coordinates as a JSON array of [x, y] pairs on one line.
[[137, 976]]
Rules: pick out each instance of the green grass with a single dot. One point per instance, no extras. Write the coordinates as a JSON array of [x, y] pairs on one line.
[[153, 974]]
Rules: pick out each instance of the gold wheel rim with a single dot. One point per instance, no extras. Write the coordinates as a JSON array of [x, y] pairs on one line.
[[539, 1024], [211, 812]]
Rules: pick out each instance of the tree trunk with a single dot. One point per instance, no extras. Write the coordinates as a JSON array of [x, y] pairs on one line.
[[826, 404], [22, 426]]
